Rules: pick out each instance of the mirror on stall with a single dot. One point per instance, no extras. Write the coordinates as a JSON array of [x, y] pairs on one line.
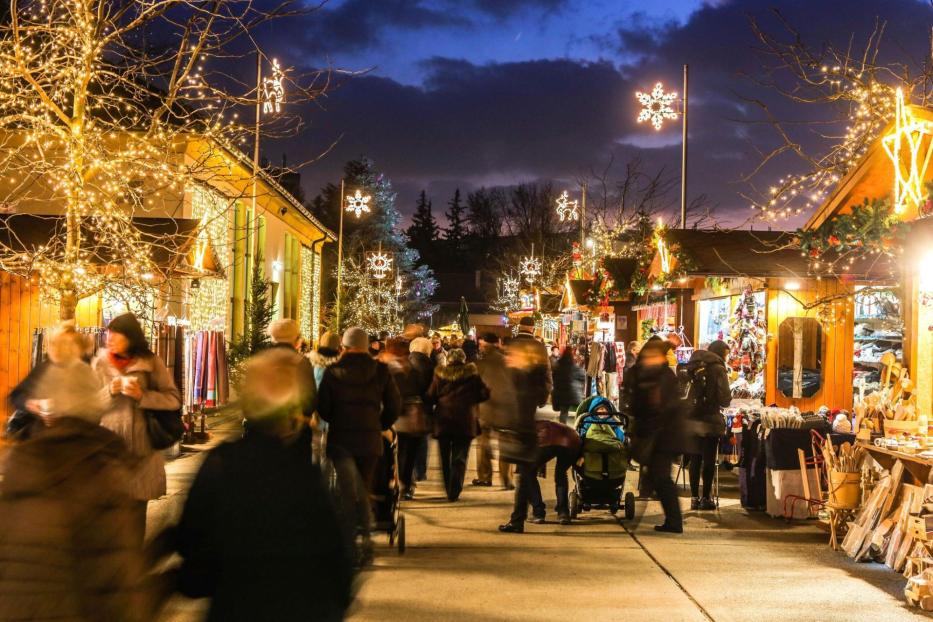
[[800, 354]]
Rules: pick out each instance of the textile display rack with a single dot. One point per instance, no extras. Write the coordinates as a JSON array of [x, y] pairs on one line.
[[207, 384], [39, 348]]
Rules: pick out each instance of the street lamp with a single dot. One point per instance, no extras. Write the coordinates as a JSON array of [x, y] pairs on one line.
[[656, 107], [358, 203]]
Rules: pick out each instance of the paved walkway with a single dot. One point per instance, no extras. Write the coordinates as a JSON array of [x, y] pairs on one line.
[[727, 566]]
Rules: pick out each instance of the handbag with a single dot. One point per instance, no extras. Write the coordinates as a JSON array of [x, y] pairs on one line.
[[165, 427]]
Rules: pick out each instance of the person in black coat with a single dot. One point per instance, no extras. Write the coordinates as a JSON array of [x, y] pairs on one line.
[[654, 404], [569, 379], [709, 394], [259, 533]]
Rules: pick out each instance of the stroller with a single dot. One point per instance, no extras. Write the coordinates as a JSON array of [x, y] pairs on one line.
[[387, 494], [599, 477]]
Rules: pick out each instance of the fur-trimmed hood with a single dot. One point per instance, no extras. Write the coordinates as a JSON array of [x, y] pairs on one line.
[[319, 360], [452, 373]]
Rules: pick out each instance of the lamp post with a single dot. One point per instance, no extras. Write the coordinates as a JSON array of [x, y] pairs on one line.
[[656, 107], [358, 203]]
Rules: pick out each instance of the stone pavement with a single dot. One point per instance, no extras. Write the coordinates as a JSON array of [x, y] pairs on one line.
[[727, 566]]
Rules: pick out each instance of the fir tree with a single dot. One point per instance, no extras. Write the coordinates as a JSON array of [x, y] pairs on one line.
[[484, 213], [456, 219], [259, 311], [423, 229]]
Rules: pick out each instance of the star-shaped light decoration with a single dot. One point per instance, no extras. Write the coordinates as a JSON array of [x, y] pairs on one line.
[[380, 264], [530, 267], [510, 286], [358, 203], [910, 161], [656, 106], [567, 209]]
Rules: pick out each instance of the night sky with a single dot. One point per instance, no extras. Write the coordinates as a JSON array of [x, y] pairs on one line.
[[467, 93]]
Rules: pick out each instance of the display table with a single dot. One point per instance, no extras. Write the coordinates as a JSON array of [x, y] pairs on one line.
[[918, 468]]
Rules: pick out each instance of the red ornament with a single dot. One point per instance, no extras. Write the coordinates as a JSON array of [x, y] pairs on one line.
[[814, 252], [833, 240]]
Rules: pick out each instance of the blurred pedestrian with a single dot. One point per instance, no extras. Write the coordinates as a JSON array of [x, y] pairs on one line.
[[286, 335], [655, 407], [531, 372], [494, 413], [359, 400], [456, 393], [569, 381], [70, 542], [136, 380], [562, 444], [470, 348], [327, 353], [709, 394], [259, 534], [413, 376], [555, 355]]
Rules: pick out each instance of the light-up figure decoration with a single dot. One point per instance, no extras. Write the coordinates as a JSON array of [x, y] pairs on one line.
[[656, 106], [530, 268], [358, 203], [567, 209], [904, 147], [273, 90], [380, 264]]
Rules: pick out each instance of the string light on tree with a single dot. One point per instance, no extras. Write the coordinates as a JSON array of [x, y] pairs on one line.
[[656, 106], [358, 203], [566, 209]]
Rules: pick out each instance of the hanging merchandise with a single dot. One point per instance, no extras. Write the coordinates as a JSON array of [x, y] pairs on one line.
[[747, 335], [208, 383]]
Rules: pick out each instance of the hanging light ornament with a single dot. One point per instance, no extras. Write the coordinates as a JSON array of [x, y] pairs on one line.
[[656, 106], [380, 264], [567, 209], [358, 203], [530, 268], [273, 90], [510, 287]]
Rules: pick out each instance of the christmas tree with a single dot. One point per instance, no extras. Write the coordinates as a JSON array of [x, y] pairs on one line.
[[746, 338]]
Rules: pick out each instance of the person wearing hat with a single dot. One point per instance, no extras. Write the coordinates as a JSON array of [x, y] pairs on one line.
[[709, 394], [327, 353], [358, 399], [286, 335], [259, 534], [69, 537], [654, 405], [527, 359], [413, 374]]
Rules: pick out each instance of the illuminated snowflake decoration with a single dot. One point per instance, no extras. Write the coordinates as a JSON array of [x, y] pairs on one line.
[[273, 90], [657, 106], [380, 264], [530, 267], [510, 286], [567, 209], [358, 203]]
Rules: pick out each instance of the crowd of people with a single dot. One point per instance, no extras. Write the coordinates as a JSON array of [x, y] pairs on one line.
[[263, 532]]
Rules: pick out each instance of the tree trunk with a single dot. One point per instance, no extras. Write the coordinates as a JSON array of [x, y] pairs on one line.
[[69, 303]]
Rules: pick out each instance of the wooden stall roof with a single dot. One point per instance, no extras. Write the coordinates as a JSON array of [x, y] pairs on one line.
[[171, 239], [736, 253]]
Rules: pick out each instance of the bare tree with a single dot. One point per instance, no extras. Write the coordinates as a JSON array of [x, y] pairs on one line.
[[110, 109]]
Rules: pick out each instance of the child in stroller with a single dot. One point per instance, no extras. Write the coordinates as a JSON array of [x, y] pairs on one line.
[[599, 476]]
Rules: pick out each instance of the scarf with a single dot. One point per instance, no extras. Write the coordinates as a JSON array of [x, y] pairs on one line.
[[121, 363]]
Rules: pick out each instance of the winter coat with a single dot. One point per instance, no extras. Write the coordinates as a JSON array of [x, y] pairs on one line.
[[554, 434], [456, 393], [306, 378], [125, 416], [610, 361], [413, 377], [569, 379], [656, 408], [707, 407], [69, 547], [320, 362], [501, 407], [531, 375], [594, 365], [259, 535], [358, 399]]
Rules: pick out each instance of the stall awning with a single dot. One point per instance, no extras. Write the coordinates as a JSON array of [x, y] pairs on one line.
[[179, 246]]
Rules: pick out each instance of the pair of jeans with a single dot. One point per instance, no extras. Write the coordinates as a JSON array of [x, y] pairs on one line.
[[525, 475], [659, 471], [354, 486], [454, 452], [484, 460], [421, 460], [705, 463], [565, 458], [408, 446]]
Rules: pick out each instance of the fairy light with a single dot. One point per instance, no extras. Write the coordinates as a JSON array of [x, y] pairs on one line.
[[273, 90], [309, 293], [907, 140], [358, 203], [567, 209], [530, 268], [379, 263], [656, 106]]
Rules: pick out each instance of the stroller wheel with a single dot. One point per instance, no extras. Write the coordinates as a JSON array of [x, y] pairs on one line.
[[401, 535], [629, 506], [574, 504]]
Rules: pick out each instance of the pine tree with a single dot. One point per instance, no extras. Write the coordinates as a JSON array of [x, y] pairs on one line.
[[382, 304], [484, 213], [456, 219], [423, 229], [260, 309]]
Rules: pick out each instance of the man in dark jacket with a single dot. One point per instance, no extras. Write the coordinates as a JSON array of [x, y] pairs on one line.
[[562, 444], [259, 533], [527, 358], [709, 394], [495, 412], [358, 399]]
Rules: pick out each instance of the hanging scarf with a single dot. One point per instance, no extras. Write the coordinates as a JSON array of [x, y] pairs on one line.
[[121, 363]]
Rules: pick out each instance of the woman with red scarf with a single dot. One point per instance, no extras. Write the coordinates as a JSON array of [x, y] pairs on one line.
[[134, 379]]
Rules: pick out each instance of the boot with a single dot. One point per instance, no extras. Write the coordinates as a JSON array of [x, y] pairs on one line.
[[694, 503], [707, 504]]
